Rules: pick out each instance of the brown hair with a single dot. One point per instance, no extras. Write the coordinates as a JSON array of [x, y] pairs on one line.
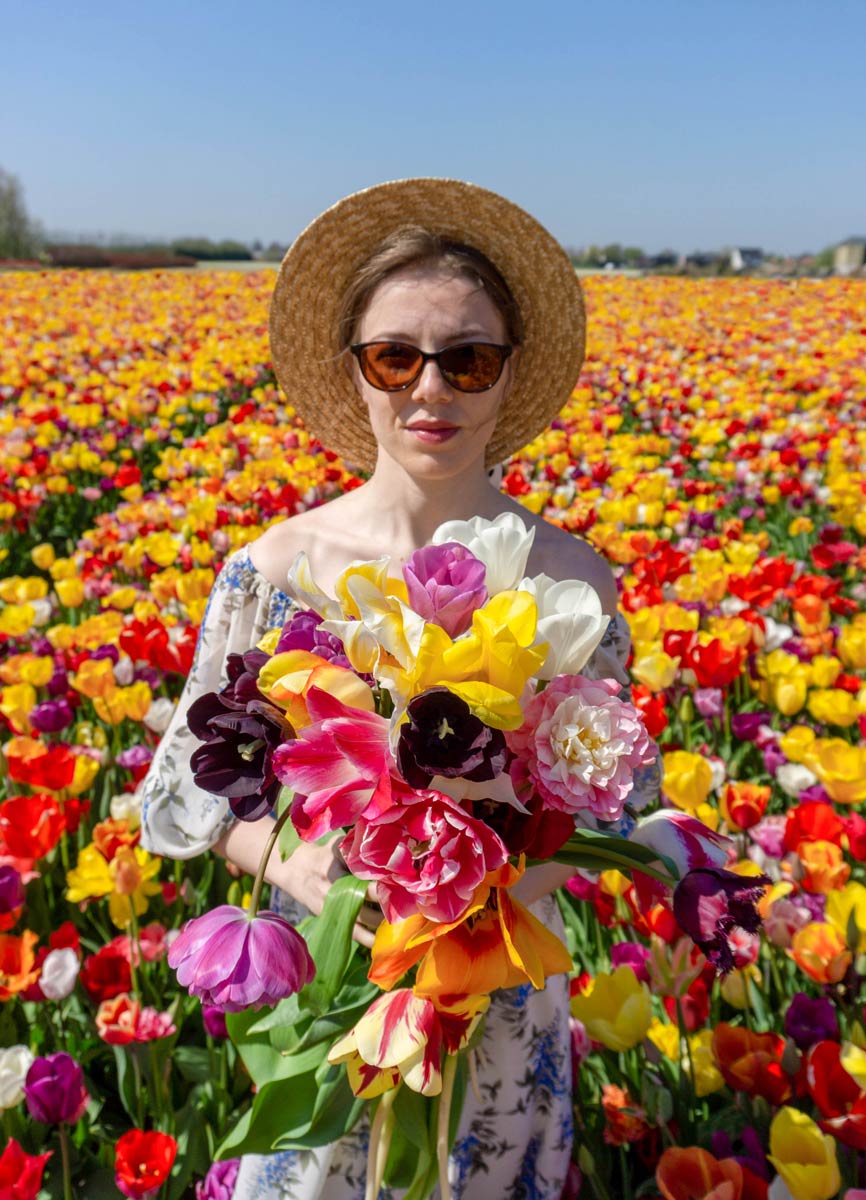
[[414, 246]]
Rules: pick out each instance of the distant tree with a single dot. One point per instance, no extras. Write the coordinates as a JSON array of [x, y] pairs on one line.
[[613, 254], [204, 248], [19, 236], [632, 256], [824, 260]]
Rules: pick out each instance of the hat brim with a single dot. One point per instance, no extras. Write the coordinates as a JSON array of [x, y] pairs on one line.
[[313, 277]]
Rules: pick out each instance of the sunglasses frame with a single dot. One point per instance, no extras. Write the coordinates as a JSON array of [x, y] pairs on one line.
[[427, 356]]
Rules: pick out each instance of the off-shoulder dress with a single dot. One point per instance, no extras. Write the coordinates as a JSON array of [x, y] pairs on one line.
[[516, 1142]]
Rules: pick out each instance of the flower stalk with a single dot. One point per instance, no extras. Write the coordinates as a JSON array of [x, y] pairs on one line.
[[258, 884]]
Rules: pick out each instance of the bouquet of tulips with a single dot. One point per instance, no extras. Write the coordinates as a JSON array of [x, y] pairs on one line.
[[440, 723]]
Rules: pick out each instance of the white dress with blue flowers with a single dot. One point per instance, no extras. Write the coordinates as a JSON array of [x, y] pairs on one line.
[[515, 1143]]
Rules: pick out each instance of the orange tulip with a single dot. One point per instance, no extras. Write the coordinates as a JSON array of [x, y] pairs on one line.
[[695, 1174], [17, 963], [497, 944], [743, 804], [752, 1062], [819, 950], [825, 866]]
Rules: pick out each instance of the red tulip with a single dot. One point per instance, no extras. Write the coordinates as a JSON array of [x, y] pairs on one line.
[[752, 1062], [21, 1173], [143, 1162], [839, 1097]]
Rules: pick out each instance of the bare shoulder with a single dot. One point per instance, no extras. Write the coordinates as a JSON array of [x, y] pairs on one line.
[[274, 551], [564, 556]]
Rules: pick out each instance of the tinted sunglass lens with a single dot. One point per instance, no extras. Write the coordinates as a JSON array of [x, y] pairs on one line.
[[473, 367], [390, 364]]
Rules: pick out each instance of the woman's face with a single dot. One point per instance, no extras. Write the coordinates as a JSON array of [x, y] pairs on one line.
[[430, 428]]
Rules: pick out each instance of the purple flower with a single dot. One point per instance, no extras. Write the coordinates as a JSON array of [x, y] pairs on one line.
[[54, 1090], [683, 840], [769, 834], [710, 904], [745, 726], [808, 1021], [234, 961], [443, 737], [58, 684], [214, 1021], [240, 730], [753, 1156], [709, 702], [51, 716], [445, 585], [219, 1183], [816, 794], [773, 758], [11, 889], [134, 756], [304, 632], [106, 651], [631, 954]]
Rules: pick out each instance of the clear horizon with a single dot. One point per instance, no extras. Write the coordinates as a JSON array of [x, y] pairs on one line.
[[665, 126]]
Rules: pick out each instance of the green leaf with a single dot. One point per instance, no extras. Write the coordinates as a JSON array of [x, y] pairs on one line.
[[193, 1062], [592, 850], [263, 1061], [276, 1105], [337, 1110], [329, 939], [126, 1085]]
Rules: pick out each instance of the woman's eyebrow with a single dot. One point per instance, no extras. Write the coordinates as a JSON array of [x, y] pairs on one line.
[[470, 331]]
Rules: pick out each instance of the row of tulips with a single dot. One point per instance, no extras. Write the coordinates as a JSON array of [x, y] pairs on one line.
[[714, 451]]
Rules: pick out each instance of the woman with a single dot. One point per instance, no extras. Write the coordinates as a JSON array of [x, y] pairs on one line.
[[425, 329]]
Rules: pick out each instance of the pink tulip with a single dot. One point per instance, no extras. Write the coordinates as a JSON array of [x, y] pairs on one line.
[[234, 961], [687, 842], [338, 766], [427, 854], [445, 585]]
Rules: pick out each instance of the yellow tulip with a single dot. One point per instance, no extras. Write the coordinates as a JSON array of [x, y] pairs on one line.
[[804, 1156], [825, 670], [17, 619], [687, 779], [655, 671], [70, 592], [795, 742], [43, 556], [833, 706], [840, 767], [121, 598], [95, 677], [16, 704], [845, 910], [851, 645], [708, 1078], [616, 1009]]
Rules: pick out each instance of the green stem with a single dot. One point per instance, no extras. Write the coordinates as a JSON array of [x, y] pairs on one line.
[[64, 1155], [617, 860], [443, 1141], [260, 874]]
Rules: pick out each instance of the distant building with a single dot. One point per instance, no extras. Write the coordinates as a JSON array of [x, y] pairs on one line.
[[849, 256], [667, 258], [701, 260], [746, 258]]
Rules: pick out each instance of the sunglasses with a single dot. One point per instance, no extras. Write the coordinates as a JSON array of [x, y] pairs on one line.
[[394, 366]]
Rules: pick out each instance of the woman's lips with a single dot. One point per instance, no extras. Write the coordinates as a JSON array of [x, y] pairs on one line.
[[433, 434]]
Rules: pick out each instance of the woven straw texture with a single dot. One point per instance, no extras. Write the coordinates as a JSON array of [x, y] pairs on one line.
[[316, 270]]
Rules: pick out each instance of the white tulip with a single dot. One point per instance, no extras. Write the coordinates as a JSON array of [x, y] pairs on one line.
[[776, 634], [124, 671], [159, 714], [503, 545], [59, 972], [570, 620], [126, 806], [15, 1062], [794, 778]]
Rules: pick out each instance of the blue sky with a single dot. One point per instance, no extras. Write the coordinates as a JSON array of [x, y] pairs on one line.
[[652, 122]]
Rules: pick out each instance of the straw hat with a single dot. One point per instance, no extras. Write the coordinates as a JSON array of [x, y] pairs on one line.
[[317, 268]]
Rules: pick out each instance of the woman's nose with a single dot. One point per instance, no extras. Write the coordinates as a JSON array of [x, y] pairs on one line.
[[431, 384]]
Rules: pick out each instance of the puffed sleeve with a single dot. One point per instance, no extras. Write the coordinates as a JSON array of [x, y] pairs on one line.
[[609, 661], [180, 819]]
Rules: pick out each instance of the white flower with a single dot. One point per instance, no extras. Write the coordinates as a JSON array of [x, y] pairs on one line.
[[159, 714], [124, 670], [719, 774], [794, 778], [776, 635], [126, 806], [301, 586], [15, 1062], [570, 620], [59, 972], [503, 545], [41, 611]]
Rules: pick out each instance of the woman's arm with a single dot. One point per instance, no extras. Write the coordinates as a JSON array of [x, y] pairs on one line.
[[306, 875]]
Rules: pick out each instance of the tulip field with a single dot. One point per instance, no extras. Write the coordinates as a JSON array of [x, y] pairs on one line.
[[714, 451]]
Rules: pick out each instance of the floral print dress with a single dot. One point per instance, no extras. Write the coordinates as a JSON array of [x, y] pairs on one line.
[[515, 1137]]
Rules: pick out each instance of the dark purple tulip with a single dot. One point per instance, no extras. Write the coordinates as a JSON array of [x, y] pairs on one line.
[[445, 585], [51, 716], [631, 954], [816, 902], [54, 1090], [219, 1183], [240, 731], [107, 651], [443, 737], [709, 903], [134, 756], [753, 1156], [304, 632], [41, 646], [214, 1021], [808, 1021], [149, 675], [11, 890], [58, 684], [816, 794], [745, 726]]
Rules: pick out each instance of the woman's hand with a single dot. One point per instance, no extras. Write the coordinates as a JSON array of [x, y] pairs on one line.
[[308, 874]]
